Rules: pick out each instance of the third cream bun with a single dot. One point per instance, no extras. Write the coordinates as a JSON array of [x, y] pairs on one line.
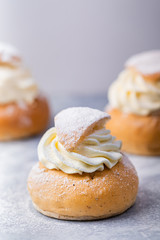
[[139, 134], [62, 193], [83, 197], [19, 121]]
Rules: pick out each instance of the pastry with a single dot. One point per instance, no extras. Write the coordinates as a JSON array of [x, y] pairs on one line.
[[23, 110], [81, 174], [134, 105]]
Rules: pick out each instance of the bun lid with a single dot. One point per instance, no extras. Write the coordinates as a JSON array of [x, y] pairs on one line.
[[74, 124], [146, 63], [9, 54]]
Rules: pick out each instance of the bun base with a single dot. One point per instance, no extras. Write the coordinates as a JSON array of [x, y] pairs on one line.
[[83, 197], [72, 218], [139, 134], [18, 121]]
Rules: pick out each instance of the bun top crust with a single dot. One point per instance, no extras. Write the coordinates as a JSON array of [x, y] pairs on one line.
[[147, 64], [74, 124], [9, 55]]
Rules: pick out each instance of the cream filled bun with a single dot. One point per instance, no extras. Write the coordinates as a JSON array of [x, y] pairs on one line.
[[82, 174], [23, 110], [134, 99]]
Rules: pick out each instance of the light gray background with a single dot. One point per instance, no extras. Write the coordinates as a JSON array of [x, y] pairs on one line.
[[79, 46]]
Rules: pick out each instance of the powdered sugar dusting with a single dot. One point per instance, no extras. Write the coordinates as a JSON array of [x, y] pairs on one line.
[[147, 62], [42, 177], [72, 123]]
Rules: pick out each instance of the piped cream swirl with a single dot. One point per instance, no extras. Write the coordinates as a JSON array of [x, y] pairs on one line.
[[97, 150], [130, 93]]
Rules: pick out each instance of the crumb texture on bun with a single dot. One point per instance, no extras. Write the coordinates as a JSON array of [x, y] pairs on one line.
[[83, 197]]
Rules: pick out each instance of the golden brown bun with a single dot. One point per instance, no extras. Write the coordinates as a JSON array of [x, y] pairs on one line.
[[22, 121], [139, 134], [83, 197]]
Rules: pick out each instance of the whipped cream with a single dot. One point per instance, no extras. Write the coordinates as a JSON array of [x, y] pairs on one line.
[[96, 150], [130, 93], [16, 85]]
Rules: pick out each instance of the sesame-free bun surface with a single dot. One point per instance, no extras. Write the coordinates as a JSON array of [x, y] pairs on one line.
[[139, 134], [83, 197], [23, 120]]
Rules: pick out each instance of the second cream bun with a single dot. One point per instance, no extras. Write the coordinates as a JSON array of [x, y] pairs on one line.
[[91, 196], [139, 134], [134, 104], [19, 121]]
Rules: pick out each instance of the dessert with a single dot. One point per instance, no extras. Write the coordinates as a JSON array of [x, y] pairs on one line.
[[134, 105], [23, 110], [81, 174]]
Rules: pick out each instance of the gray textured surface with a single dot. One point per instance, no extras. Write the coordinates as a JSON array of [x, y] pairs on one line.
[[19, 220]]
